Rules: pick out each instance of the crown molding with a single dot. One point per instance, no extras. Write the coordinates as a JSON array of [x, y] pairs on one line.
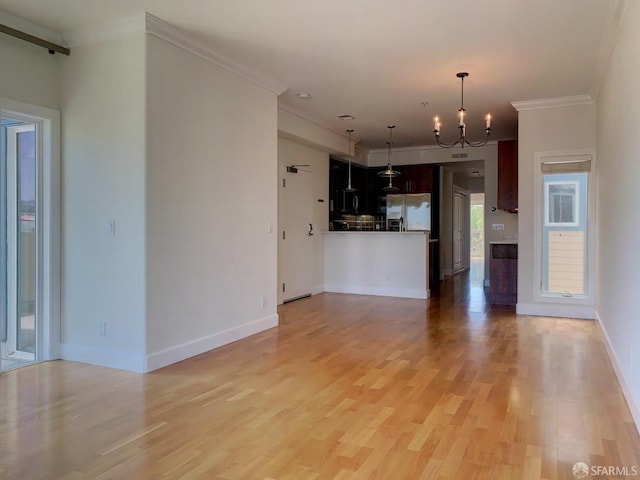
[[27, 26], [422, 148], [296, 115], [146, 23], [571, 101], [164, 31], [614, 20], [122, 28]]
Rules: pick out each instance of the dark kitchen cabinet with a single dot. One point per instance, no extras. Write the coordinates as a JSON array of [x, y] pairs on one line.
[[341, 202], [508, 175], [412, 179], [416, 178], [503, 278]]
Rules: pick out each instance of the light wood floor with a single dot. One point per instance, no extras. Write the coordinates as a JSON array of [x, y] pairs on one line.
[[347, 387]]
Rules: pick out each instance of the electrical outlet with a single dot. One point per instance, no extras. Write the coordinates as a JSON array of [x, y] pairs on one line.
[[497, 226], [263, 302], [102, 329]]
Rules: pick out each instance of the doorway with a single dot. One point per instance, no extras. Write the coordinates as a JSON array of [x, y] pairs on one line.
[[295, 252], [18, 220], [29, 234], [459, 231], [477, 246]]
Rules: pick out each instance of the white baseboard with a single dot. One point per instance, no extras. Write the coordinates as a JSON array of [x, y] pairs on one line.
[[105, 358], [190, 349], [633, 403], [316, 289], [379, 291], [555, 310]]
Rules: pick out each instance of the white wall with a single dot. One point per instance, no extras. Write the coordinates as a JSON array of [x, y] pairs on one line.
[[211, 191], [542, 130], [289, 153], [29, 73], [103, 176], [618, 197]]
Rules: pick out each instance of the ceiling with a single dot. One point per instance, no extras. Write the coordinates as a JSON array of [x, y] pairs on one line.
[[380, 60]]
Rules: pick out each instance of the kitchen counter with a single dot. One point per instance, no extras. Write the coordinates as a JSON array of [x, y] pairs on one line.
[[394, 264], [504, 242]]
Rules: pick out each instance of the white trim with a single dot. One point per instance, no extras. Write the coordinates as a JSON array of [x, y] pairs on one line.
[[632, 403], [555, 310], [27, 26], [561, 156], [420, 148], [122, 28], [164, 31], [151, 25], [132, 362], [290, 112], [192, 348], [378, 291], [49, 244], [570, 101], [615, 17]]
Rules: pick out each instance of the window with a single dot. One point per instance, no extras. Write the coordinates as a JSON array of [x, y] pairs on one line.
[[562, 203], [564, 225], [564, 234]]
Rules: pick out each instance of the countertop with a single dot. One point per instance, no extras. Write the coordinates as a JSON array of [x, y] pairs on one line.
[[374, 232], [504, 242]]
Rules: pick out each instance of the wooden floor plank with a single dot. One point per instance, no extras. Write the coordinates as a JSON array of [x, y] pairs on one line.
[[346, 387]]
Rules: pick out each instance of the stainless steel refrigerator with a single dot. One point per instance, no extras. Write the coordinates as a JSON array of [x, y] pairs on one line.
[[409, 212]]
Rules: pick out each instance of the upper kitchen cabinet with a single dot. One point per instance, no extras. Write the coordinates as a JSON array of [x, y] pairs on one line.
[[418, 178], [341, 202], [508, 175], [414, 179]]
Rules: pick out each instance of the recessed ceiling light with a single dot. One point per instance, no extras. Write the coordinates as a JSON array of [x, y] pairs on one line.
[[304, 96], [346, 117]]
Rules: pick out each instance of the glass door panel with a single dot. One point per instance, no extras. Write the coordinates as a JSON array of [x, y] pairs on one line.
[[18, 220]]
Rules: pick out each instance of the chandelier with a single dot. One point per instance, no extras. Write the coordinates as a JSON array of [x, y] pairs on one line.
[[462, 139]]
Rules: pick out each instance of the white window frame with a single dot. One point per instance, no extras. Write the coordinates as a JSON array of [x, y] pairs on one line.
[[540, 216], [48, 251]]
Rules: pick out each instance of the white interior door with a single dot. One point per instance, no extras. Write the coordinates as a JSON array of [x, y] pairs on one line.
[[458, 231], [296, 236]]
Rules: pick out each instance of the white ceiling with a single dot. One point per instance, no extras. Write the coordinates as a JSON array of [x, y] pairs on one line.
[[378, 60]]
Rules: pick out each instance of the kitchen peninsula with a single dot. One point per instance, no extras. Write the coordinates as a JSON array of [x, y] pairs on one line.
[[380, 241], [394, 264]]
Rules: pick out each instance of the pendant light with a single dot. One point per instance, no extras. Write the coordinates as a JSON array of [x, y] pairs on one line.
[[390, 187], [389, 172], [349, 188]]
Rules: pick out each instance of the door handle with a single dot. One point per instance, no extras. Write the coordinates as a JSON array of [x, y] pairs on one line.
[[355, 203], [310, 232]]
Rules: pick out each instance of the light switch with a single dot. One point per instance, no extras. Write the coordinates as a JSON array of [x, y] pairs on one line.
[[111, 227]]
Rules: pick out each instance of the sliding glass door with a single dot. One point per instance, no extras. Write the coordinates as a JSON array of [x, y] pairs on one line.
[[18, 242]]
